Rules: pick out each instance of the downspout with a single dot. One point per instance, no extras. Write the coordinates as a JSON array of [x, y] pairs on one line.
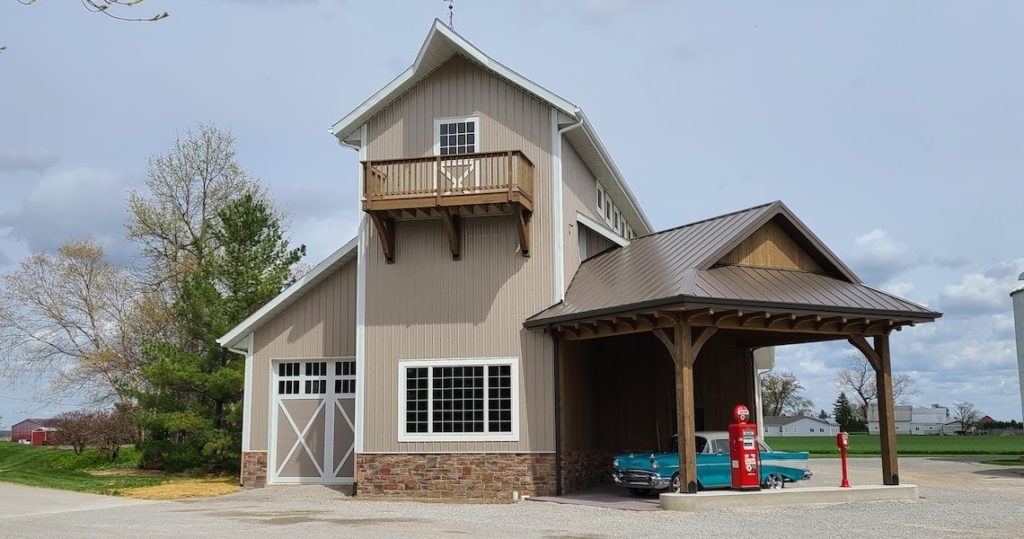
[[558, 213], [558, 414]]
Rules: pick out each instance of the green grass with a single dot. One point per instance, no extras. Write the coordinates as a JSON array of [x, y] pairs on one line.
[[866, 444], [1005, 462], [60, 468]]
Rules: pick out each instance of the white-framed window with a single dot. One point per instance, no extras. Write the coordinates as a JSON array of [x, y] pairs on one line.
[[456, 136], [472, 399], [601, 197]]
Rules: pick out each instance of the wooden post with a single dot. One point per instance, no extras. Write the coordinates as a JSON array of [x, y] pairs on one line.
[[684, 409], [886, 414]]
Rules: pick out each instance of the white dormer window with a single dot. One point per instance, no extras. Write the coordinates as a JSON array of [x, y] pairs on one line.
[[456, 136], [600, 200]]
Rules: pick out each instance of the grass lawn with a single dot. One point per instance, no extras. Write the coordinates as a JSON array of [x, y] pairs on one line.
[[54, 467], [866, 444]]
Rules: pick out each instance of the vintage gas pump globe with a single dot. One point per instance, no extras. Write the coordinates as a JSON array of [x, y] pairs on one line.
[[744, 454]]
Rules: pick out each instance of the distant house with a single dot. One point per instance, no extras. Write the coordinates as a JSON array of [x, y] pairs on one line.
[[953, 427], [913, 420], [799, 426], [34, 431]]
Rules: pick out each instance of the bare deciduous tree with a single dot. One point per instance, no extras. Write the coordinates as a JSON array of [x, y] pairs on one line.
[[72, 317], [859, 378], [112, 9], [77, 429], [780, 395], [966, 414], [185, 190]]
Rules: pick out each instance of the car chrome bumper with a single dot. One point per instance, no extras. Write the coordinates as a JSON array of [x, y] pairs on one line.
[[808, 474], [640, 479]]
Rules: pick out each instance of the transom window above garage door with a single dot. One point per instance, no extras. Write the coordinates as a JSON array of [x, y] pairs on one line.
[[304, 378], [459, 400]]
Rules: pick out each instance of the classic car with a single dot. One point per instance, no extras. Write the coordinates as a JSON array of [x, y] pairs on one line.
[[645, 472]]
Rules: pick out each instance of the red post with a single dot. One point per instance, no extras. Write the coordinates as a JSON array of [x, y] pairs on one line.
[[843, 441]]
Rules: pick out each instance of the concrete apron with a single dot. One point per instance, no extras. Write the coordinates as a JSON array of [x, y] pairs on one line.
[[789, 496]]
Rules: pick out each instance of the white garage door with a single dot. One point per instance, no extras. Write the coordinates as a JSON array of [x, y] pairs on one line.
[[313, 421]]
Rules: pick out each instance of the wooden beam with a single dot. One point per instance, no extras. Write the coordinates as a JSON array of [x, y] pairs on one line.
[[386, 232], [685, 409], [662, 336], [886, 411], [453, 227], [860, 343], [702, 339], [523, 228]]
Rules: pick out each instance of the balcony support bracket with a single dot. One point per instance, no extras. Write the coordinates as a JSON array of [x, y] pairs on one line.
[[453, 228], [386, 232], [523, 228]]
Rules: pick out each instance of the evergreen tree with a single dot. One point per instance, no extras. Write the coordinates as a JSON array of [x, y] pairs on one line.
[[191, 409], [848, 418]]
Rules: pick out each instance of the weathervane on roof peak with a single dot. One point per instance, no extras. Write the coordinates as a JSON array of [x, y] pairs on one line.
[[451, 12]]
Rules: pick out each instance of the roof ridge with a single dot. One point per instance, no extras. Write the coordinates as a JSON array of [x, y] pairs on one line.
[[722, 216]]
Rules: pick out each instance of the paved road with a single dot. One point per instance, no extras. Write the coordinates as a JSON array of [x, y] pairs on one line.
[[21, 501], [960, 499]]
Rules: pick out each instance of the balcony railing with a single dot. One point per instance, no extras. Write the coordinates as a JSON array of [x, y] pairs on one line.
[[446, 181]]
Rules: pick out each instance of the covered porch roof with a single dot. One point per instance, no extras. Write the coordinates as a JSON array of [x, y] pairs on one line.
[[759, 268]]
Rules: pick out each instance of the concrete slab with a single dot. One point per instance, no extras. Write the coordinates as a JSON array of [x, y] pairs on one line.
[[789, 496], [606, 496]]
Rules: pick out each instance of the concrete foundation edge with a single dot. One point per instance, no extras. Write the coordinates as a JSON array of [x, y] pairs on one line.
[[792, 496]]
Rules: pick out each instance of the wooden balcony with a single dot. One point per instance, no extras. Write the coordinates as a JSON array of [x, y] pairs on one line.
[[450, 188]]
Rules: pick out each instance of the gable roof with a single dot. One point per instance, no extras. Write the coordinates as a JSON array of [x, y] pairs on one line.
[[682, 265], [441, 44], [347, 253], [781, 420]]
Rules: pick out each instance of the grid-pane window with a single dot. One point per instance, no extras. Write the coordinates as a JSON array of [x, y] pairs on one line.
[[459, 399], [499, 398], [345, 377], [417, 404], [457, 137]]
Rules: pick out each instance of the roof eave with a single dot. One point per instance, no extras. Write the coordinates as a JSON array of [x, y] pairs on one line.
[[693, 301]]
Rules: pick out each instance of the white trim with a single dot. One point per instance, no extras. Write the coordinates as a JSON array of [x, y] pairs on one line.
[[247, 390], [558, 245], [337, 259], [599, 228], [403, 436], [475, 119], [362, 240]]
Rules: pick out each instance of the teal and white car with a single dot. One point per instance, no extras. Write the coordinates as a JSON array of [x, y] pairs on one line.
[[646, 472]]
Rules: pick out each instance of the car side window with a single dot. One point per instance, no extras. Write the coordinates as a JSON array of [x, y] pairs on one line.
[[720, 447], [702, 445]]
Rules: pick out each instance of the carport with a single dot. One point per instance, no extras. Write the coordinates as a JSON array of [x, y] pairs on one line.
[[656, 338]]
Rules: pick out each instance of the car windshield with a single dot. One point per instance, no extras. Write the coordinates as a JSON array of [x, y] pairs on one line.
[[702, 444]]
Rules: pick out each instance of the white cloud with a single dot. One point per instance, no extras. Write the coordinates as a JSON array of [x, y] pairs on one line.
[[880, 257], [75, 203], [902, 289], [22, 159], [977, 292]]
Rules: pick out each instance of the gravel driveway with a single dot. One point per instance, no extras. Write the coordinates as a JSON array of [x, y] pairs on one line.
[[960, 498]]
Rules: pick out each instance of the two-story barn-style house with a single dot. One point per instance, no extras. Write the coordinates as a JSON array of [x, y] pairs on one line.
[[506, 318]]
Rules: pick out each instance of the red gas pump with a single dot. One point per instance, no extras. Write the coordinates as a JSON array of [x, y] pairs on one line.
[[843, 442], [743, 451]]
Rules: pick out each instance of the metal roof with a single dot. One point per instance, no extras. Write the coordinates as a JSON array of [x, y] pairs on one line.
[[680, 265]]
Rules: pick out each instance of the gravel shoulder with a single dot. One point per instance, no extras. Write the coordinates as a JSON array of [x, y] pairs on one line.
[[960, 497]]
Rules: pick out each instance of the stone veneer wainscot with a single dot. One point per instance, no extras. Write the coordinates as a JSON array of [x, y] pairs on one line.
[[476, 476]]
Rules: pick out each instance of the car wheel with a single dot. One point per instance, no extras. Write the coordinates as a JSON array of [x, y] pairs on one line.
[[774, 481], [640, 492], [675, 483]]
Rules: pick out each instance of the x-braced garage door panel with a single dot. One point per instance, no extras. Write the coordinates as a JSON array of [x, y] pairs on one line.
[[313, 421]]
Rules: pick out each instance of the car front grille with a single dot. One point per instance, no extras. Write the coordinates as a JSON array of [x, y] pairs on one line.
[[635, 477]]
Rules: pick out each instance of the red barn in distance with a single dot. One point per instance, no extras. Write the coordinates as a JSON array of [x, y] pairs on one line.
[[24, 431]]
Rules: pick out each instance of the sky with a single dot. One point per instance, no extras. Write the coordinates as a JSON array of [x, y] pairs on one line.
[[893, 129]]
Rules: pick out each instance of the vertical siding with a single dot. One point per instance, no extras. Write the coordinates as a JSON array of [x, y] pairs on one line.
[[322, 323], [427, 306], [579, 194]]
